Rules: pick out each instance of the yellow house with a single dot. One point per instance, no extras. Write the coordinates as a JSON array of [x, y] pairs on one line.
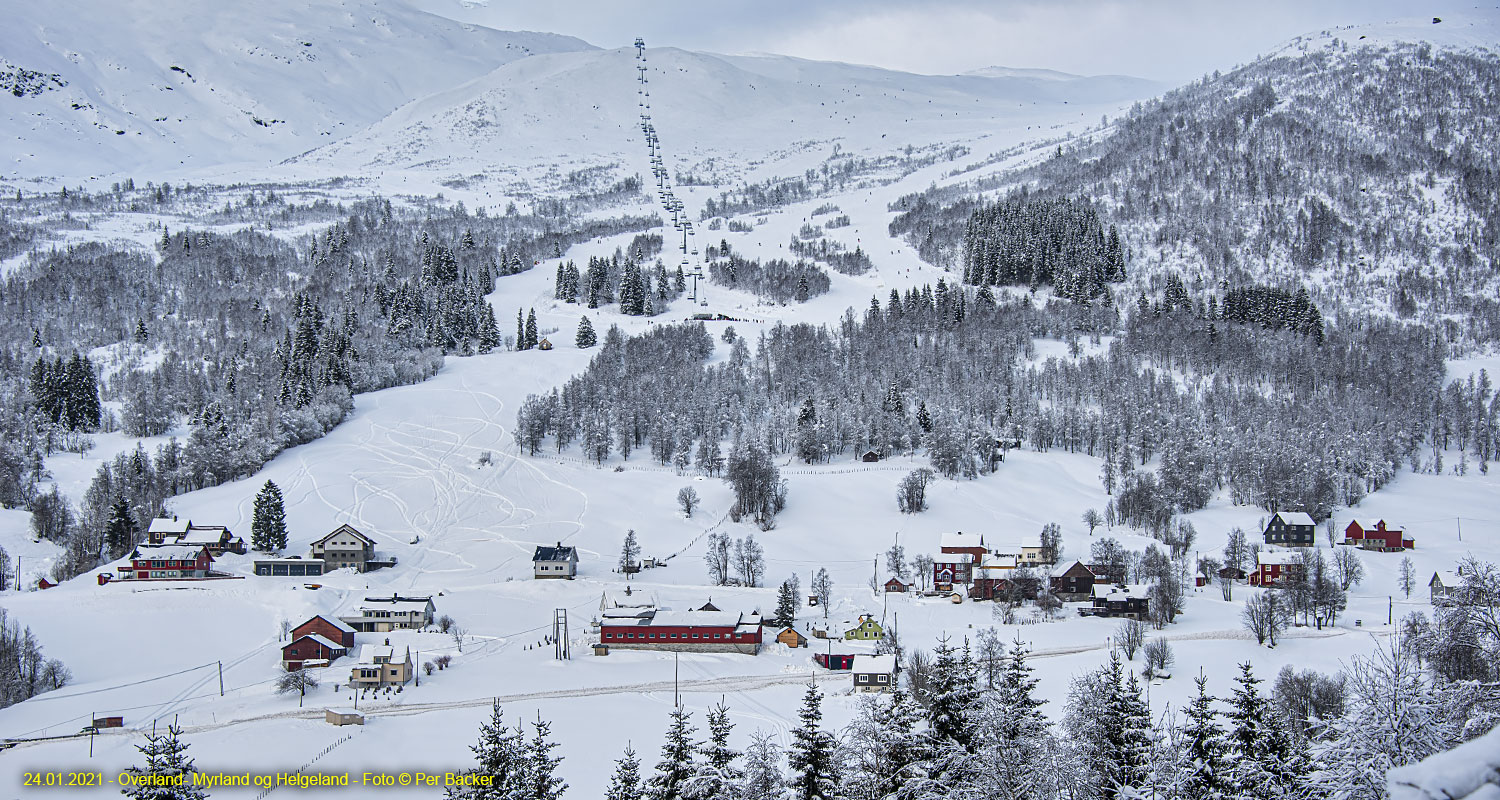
[[867, 629]]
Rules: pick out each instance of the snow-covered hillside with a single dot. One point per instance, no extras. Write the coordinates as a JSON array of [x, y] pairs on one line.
[[146, 86]]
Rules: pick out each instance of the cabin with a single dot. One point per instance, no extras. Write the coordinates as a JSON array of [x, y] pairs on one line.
[[1130, 601], [791, 637], [554, 562], [1444, 587], [683, 631], [874, 673], [867, 629], [343, 716], [289, 567], [217, 538], [1291, 529], [896, 585], [167, 562], [345, 547], [382, 614], [869, 456], [544, 344], [1376, 535], [379, 667], [1073, 583], [1273, 567], [43, 583]]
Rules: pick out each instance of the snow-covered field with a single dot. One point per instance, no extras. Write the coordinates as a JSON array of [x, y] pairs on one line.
[[405, 468]]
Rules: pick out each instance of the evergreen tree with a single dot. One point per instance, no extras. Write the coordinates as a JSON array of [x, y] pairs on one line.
[[786, 606], [715, 777], [502, 755], [168, 773], [120, 531], [1203, 764], [952, 695], [268, 528], [542, 782], [811, 753], [763, 778], [489, 330], [531, 337], [521, 331], [625, 784], [585, 337], [676, 764]]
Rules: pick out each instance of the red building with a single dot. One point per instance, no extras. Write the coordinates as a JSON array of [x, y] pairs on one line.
[[1274, 566], [167, 562], [1375, 535], [834, 661], [701, 631], [896, 585], [330, 627], [315, 648]]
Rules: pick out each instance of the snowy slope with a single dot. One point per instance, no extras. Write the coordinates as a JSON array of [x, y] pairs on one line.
[[1476, 28], [157, 84], [573, 105]]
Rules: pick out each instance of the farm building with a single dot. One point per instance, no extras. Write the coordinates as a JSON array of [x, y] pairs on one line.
[[1290, 529], [1376, 535], [791, 637], [311, 650], [704, 631]]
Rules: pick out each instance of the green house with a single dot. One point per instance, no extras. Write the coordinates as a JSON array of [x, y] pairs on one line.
[[867, 629]]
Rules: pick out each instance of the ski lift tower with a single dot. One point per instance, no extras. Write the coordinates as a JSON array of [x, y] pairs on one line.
[[640, 48]]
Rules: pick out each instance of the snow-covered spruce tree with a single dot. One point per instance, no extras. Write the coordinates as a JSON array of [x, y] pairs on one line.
[[953, 695], [585, 338], [1202, 769], [542, 782], [763, 778], [268, 527], [882, 750], [502, 756], [1264, 762], [786, 606], [630, 553], [625, 784], [120, 532], [531, 337], [811, 754], [676, 765], [167, 763], [715, 776]]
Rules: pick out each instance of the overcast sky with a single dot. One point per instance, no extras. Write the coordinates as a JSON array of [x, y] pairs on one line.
[[1167, 40]]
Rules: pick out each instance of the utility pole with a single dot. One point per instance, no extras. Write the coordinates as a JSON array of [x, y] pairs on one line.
[[1456, 521], [1390, 608], [676, 695], [221, 678]]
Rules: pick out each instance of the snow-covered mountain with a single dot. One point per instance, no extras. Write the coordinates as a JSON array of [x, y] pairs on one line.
[[569, 104], [135, 85]]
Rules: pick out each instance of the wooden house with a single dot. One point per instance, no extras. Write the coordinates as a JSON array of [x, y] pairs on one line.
[[345, 547], [1273, 567], [791, 637], [381, 614], [1444, 587], [378, 666], [867, 629], [167, 562], [1073, 583], [544, 344], [43, 583], [311, 650], [896, 585], [1130, 601], [869, 456], [554, 562], [874, 673], [1376, 535], [330, 627], [1291, 529], [217, 538]]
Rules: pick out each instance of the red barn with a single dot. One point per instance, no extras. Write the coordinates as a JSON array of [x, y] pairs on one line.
[[331, 628], [166, 562], [704, 631], [1376, 535], [312, 647]]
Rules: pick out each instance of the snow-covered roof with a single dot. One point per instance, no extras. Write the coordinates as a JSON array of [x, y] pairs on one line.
[[641, 612], [170, 552], [557, 553], [1446, 578], [993, 561], [698, 618], [1282, 557], [878, 664], [961, 539], [334, 621], [1370, 524], [1295, 517], [1129, 591], [323, 640], [165, 525], [1062, 569], [370, 652], [1470, 771], [407, 605], [343, 712]]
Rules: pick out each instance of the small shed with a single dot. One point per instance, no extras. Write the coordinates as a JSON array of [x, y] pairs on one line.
[[791, 637], [343, 716], [896, 585], [544, 344], [869, 456], [601, 649], [109, 722], [43, 583]]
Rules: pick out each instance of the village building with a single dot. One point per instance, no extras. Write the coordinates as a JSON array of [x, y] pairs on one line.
[[874, 673], [687, 631], [869, 456], [554, 562], [1291, 529], [1072, 583], [1273, 567], [897, 585], [1444, 586], [867, 629], [1130, 601], [378, 666], [311, 650], [791, 637], [343, 716], [345, 547], [1376, 535], [217, 538], [167, 562], [381, 614], [289, 567], [835, 661]]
